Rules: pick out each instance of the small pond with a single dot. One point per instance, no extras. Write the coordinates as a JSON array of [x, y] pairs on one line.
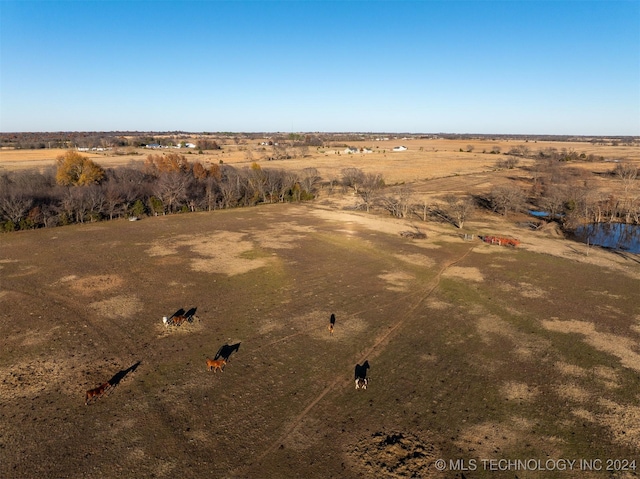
[[616, 236]]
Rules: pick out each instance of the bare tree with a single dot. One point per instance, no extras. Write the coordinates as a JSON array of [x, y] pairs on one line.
[[352, 178], [508, 163], [211, 193], [506, 198], [273, 185], [14, 205], [72, 206], [398, 204], [231, 187], [287, 181], [423, 209], [171, 189], [457, 210], [627, 173], [372, 183], [309, 178], [257, 180], [114, 199], [94, 199], [553, 199], [520, 150]]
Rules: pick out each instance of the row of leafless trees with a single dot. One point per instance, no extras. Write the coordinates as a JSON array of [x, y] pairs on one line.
[[168, 184], [34, 199], [569, 195], [574, 195]]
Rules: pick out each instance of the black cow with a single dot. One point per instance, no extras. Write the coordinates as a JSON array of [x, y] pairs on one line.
[[361, 375], [332, 323]]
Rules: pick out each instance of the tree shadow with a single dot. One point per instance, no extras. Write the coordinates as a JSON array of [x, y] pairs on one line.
[[226, 351], [120, 375]]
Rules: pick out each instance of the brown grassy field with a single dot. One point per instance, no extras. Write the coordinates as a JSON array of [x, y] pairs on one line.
[[424, 159], [478, 353]]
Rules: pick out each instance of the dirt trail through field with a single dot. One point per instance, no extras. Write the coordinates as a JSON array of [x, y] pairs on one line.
[[370, 353]]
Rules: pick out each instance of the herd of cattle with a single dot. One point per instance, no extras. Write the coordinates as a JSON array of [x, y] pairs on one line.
[[223, 355]]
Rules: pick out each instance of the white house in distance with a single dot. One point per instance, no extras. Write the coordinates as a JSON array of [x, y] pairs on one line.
[[400, 148]]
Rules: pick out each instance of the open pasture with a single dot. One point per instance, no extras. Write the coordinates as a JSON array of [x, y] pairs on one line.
[[476, 351]]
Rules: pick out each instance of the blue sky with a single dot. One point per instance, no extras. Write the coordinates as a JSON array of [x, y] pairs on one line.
[[512, 67]]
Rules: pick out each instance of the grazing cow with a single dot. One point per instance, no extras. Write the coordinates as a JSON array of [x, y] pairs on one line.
[[215, 364], [96, 392], [178, 320], [332, 323], [361, 375]]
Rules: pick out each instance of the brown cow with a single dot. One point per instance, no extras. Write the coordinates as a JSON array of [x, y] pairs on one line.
[[96, 392], [215, 364], [178, 320]]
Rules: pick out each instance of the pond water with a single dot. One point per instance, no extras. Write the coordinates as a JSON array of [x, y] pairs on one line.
[[539, 214], [616, 236]]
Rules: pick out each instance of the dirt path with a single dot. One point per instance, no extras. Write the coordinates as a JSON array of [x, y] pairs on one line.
[[371, 352]]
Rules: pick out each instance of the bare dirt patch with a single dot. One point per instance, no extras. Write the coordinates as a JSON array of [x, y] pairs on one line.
[[121, 306], [623, 421], [621, 347], [223, 252], [93, 284], [393, 454], [519, 391], [487, 438], [573, 392], [417, 259], [396, 281], [465, 273]]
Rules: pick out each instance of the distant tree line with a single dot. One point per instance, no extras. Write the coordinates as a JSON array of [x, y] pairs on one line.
[[570, 196], [77, 190], [39, 140], [120, 139]]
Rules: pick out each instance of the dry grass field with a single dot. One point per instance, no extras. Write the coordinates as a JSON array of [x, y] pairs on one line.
[[424, 159], [433, 167], [478, 353]]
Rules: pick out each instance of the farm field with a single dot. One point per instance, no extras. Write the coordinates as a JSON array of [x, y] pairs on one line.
[[424, 159], [477, 352]]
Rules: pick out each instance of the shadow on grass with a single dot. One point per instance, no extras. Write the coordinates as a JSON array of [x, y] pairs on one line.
[[120, 375], [226, 351]]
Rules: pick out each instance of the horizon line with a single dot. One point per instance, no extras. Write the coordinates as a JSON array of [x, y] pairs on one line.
[[354, 132]]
